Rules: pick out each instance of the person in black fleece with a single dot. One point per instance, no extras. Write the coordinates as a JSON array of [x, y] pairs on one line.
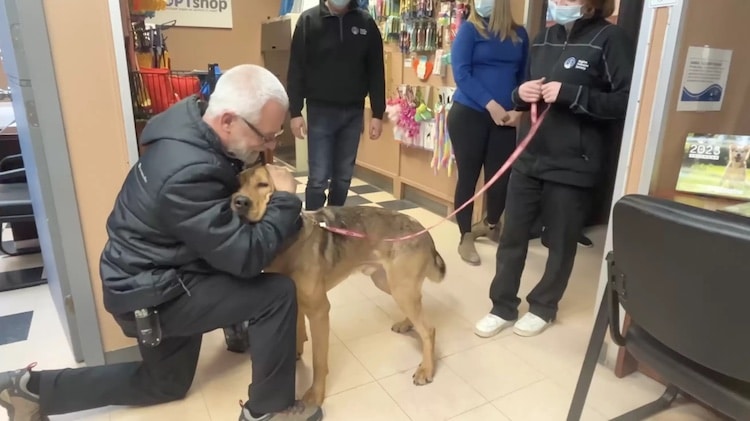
[[336, 61], [580, 71], [175, 246]]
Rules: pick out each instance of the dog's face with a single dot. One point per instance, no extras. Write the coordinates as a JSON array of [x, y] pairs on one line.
[[256, 188], [739, 154]]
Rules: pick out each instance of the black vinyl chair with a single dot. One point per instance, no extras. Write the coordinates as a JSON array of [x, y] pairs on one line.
[[683, 276], [15, 201]]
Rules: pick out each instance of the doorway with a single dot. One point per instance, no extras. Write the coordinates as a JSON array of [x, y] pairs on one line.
[[28, 63]]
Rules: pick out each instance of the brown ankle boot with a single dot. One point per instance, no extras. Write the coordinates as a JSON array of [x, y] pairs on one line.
[[484, 229], [467, 251]]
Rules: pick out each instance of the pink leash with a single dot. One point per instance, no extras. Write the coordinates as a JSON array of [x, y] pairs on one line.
[[536, 121]]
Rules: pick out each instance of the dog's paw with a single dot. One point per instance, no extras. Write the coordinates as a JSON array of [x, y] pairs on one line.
[[314, 396], [423, 376], [402, 327]]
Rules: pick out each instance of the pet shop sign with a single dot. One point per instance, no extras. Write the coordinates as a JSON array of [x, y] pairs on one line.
[[197, 13]]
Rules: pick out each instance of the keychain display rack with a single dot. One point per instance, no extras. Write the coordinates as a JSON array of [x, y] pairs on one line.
[[419, 117], [418, 26], [414, 151], [423, 31]]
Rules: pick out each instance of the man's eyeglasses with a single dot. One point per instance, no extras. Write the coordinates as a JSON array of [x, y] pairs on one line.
[[266, 138]]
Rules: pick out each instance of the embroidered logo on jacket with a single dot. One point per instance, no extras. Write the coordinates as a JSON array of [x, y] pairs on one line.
[[569, 62]]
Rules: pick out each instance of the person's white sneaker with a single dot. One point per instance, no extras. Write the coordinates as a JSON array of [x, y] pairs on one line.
[[490, 325], [530, 325]]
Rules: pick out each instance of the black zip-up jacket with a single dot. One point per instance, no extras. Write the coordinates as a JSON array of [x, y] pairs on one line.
[[336, 60], [594, 64], [172, 224]]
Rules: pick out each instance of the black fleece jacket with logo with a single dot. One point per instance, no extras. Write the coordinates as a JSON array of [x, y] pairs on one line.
[[594, 63], [336, 60]]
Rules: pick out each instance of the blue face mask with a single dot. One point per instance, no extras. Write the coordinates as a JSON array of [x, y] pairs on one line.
[[339, 4], [484, 8], [563, 14]]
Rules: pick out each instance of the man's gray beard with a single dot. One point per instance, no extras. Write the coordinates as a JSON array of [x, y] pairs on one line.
[[248, 157], [251, 157]]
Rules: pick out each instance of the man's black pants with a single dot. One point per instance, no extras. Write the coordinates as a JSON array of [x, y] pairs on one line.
[[563, 208], [166, 371]]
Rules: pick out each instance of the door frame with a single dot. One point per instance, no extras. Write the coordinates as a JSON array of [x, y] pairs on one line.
[[116, 9], [28, 62]]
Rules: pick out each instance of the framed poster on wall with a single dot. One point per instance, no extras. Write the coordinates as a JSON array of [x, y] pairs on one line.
[[716, 165], [196, 13], [704, 79]]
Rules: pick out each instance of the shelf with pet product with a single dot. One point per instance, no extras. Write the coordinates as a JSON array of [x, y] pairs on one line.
[[422, 29], [419, 125], [414, 151]]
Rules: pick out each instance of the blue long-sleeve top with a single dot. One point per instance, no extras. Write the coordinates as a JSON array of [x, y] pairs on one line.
[[487, 68]]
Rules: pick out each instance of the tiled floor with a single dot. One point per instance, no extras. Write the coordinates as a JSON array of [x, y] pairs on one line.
[[16, 272], [363, 194], [500, 379]]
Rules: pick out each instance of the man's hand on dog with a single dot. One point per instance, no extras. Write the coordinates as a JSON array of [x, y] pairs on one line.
[[282, 178]]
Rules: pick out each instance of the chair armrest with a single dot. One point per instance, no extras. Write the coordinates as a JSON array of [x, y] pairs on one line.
[[614, 286], [11, 162], [13, 176]]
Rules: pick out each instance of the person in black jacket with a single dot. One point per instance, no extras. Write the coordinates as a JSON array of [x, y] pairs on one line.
[[176, 247], [336, 61], [580, 70]]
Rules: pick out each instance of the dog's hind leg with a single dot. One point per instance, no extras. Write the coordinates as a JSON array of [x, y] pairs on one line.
[[406, 289], [403, 326], [380, 280]]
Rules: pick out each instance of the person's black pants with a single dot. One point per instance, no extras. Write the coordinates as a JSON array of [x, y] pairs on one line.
[[563, 208], [478, 142], [166, 372]]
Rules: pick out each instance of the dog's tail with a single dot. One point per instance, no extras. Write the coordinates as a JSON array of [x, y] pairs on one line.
[[436, 268]]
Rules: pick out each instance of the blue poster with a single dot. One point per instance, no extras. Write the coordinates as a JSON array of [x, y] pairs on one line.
[[704, 79]]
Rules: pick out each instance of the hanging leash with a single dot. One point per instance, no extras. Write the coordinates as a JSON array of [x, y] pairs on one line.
[[536, 121]]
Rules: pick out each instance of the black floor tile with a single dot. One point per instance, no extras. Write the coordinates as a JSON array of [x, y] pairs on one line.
[[10, 247], [356, 201], [23, 278], [15, 327], [364, 189], [398, 205]]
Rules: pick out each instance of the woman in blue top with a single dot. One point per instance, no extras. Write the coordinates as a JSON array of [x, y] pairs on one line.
[[489, 60]]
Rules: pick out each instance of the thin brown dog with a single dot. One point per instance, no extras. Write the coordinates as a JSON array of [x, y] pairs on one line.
[[318, 260]]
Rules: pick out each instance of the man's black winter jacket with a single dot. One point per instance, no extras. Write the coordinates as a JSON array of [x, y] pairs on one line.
[[594, 63], [336, 60], [172, 222]]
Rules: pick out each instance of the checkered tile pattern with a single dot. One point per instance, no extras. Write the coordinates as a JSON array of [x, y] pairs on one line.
[[363, 194]]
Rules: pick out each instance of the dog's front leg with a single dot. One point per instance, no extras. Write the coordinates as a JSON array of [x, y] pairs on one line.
[[317, 311], [301, 332]]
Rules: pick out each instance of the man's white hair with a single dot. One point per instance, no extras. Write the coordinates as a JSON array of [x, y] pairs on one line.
[[244, 90]]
